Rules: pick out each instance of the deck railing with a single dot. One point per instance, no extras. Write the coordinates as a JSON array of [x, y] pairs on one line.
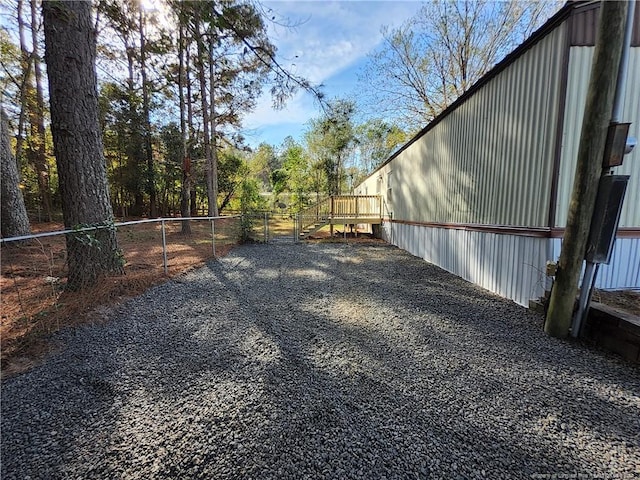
[[342, 209]]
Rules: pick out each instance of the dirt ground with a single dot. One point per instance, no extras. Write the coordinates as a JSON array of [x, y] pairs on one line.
[[36, 304], [627, 300]]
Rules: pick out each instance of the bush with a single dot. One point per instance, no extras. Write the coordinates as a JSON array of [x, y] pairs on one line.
[[251, 203]]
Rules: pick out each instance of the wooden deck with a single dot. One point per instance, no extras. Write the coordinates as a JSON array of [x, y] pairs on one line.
[[341, 210]]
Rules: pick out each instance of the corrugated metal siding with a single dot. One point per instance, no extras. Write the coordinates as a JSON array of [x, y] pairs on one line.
[[623, 271], [585, 25], [579, 71], [490, 160], [508, 265], [635, 38]]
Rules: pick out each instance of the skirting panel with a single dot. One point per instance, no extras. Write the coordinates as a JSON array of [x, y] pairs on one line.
[[623, 272], [511, 266]]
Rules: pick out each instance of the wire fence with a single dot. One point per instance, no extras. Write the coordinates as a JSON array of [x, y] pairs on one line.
[[36, 294], [39, 293], [269, 226]]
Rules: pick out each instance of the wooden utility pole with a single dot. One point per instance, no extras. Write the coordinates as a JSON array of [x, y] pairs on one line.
[[597, 115]]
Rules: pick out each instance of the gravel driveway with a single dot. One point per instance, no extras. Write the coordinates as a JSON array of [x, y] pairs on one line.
[[320, 361]]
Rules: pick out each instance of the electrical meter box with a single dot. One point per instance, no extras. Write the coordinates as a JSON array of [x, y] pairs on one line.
[[606, 216]]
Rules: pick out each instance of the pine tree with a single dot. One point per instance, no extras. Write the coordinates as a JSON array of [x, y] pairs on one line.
[[70, 53], [14, 214]]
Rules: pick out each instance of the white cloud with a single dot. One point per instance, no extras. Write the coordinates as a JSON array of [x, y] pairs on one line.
[[295, 111], [333, 34], [329, 38]]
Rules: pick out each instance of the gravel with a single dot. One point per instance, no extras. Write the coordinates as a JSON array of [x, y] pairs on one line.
[[320, 361]]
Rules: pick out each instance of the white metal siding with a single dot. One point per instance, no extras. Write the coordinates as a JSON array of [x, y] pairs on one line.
[[579, 72], [623, 272], [509, 265]]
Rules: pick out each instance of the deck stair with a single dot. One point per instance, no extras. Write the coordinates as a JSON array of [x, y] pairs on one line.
[[340, 210]]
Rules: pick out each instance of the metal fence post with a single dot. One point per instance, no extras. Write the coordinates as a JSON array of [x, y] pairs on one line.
[[213, 236], [266, 227], [164, 249]]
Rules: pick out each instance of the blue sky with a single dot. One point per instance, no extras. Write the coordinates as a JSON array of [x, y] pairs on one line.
[[329, 45]]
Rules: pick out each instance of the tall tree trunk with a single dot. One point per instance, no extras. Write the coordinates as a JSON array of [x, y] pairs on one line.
[[185, 194], [14, 214], [151, 178], [134, 151], [202, 54], [38, 140], [213, 165], [70, 53], [187, 78], [25, 64], [193, 201]]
